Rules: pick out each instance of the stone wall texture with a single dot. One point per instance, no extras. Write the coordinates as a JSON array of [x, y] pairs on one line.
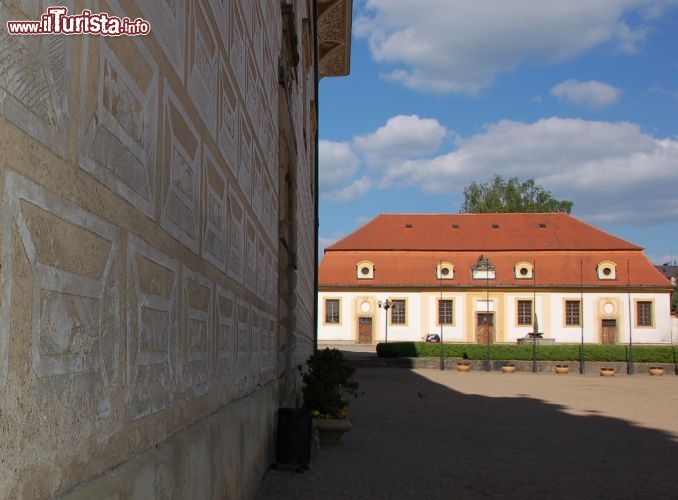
[[157, 247]]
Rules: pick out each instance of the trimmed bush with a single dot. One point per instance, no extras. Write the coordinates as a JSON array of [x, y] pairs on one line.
[[523, 352]]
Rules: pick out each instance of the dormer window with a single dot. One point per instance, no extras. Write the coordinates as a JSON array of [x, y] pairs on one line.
[[523, 270], [607, 270], [483, 269], [365, 270], [444, 270]]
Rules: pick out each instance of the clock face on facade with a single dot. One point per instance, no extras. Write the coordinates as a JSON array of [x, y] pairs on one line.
[[608, 308], [364, 306]]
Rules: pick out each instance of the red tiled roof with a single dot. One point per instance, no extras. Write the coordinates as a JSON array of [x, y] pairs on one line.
[[480, 232], [565, 253]]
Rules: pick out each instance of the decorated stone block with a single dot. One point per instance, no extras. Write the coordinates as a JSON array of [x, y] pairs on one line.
[[203, 67], [74, 296], [168, 21], [226, 331], [198, 300], [118, 118], [181, 173], [215, 220], [229, 120], [35, 78], [236, 234], [152, 320]]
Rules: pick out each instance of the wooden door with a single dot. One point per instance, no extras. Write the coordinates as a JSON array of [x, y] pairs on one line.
[[485, 328], [364, 330], [608, 331]]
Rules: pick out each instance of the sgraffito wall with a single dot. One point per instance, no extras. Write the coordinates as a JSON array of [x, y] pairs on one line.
[[140, 278]]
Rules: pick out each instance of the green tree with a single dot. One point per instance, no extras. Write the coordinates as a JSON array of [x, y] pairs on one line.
[[510, 195]]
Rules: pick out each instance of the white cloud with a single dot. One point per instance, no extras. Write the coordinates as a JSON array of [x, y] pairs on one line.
[[612, 171], [461, 45], [591, 94], [355, 189], [337, 164], [401, 137]]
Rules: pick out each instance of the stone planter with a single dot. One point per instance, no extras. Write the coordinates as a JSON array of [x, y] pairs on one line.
[[508, 368], [463, 366], [330, 430], [562, 369], [607, 372], [656, 371]]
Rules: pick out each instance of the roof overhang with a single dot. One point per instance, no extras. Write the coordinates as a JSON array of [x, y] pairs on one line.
[[334, 37]]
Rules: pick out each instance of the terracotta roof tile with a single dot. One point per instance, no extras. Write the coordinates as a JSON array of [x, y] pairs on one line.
[[481, 232], [407, 257]]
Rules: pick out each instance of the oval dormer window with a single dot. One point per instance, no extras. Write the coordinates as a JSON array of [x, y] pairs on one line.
[[607, 270], [523, 270], [365, 270], [444, 270]]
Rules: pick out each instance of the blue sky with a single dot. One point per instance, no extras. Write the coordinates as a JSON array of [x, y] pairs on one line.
[[581, 95]]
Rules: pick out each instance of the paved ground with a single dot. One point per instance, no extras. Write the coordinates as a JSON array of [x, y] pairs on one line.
[[421, 434]]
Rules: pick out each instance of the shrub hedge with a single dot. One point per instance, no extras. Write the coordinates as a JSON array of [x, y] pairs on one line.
[[562, 352]]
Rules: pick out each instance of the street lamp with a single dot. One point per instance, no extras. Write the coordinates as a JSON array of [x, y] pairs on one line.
[[484, 266], [386, 305]]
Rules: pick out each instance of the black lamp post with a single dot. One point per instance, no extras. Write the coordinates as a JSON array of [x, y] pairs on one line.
[[485, 266], [386, 305], [440, 319]]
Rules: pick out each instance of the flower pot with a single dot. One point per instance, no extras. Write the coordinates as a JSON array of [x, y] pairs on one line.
[[607, 372], [656, 371], [330, 430], [508, 368], [562, 369], [463, 366]]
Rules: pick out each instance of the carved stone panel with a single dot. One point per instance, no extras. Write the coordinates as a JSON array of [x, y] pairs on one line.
[[250, 255], [181, 169], [203, 67], [215, 241], [35, 79], [152, 315], [255, 340], [198, 298], [243, 325], [229, 121], [226, 332], [222, 14], [74, 311], [118, 118], [168, 22], [262, 254], [236, 236], [257, 186], [238, 50], [246, 160]]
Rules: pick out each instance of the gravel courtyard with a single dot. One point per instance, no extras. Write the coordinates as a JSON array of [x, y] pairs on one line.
[[420, 434]]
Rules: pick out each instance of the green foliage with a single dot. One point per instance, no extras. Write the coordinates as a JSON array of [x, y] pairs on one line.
[[523, 352], [511, 195], [328, 379]]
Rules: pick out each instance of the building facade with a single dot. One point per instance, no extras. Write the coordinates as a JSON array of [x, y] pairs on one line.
[[478, 278], [158, 194]]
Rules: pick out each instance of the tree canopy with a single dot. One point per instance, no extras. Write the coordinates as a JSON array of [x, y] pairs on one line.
[[510, 195]]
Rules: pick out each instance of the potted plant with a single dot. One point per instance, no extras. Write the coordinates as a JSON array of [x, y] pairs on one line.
[[327, 382], [562, 369], [463, 366], [607, 372], [508, 368], [656, 371]]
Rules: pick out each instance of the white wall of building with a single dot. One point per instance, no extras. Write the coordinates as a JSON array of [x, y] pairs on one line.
[[550, 308]]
